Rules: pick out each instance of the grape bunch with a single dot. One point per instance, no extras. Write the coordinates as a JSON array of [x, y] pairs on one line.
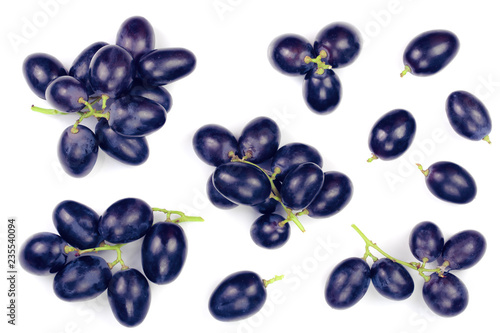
[[122, 85], [80, 274], [296, 181], [443, 292], [336, 45]]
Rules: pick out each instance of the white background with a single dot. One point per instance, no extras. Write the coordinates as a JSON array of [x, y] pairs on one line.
[[232, 84]]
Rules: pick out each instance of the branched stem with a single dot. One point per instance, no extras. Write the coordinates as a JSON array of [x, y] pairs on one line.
[[321, 66], [102, 247], [182, 217]]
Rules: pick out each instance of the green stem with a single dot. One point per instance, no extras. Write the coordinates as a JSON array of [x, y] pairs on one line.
[[320, 63], [421, 168], [47, 111], [274, 279], [182, 217], [487, 139], [102, 247], [373, 158], [406, 70]]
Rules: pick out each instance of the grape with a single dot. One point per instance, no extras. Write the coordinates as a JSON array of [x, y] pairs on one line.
[[347, 283], [135, 116], [426, 241], [39, 69], [430, 52], [259, 140], [129, 296], [301, 185], [238, 296], [270, 204], [77, 152], [217, 199], [391, 279], [392, 134], [447, 296], [128, 150], [322, 92], [287, 54], [292, 155], [111, 71], [163, 252], [77, 224], [126, 220], [64, 94], [80, 67], [267, 233], [83, 278], [43, 253], [159, 95], [242, 183], [340, 41], [136, 35], [163, 66], [464, 249], [468, 116], [213, 143], [333, 196]]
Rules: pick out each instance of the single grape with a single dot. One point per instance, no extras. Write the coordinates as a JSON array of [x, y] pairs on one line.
[[287, 53], [83, 278], [77, 152], [136, 35], [126, 220], [163, 252], [340, 41], [159, 95], [347, 283], [292, 155], [334, 195], [446, 296], [214, 143], [39, 69], [217, 199], [43, 253], [464, 249], [163, 66], [129, 296], [64, 94], [267, 233], [77, 224], [259, 140], [239, 296], [322, 92], [80, 67], [301, 185], [426, 241], [391, 279]]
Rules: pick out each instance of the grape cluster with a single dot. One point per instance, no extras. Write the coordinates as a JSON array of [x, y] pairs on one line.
[[443, 292], [296, 180], [121, 84], [335, 46], [80, 274]]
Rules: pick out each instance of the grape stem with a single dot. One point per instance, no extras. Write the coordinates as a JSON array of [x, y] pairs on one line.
[[487, 139], [421, 168], [406, 70], [102, 247], [373, 158], [182, 217], [321, 66], [274, 279]]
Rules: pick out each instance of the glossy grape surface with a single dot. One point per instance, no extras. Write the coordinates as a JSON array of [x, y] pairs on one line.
[[467, 115], [39, 69], [43, 253], [159, 95], [129, 296], [77, 224], [267, 233], [322, 92], [80, 67], [126, 220], [340, 41], [447, 296], [238, 296], [259, 139], [217, 199], [136, 35], [333, 196], [450, 182], [287, 54], [426, 241], [212, 144], [64, 93], [464, 249], [291, 155], [163, 252], [392, 134], [301, 185], [347, 283], [270, 204], [163, 66], [391, 279], [77, 152]]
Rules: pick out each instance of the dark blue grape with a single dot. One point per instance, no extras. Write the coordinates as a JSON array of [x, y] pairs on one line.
[[213, 144], [450, 182], [136, 35], [446, 296], [129, 296], [292, 155], [126, 220], [128, 150], [340, 41], [163, 66], [43, 253], [259, 140], [287, 54], [80, 67], [468, 116], [159, 95], [111, 71], [267, 233], [334, 195], [83, 278], [301, 185], [163, 252], [391, 279], [239, 296], [464, 249], [217, 199], [77, 224], [135, 116], [430, 52], [392, 134], [77, 152], [347, 283], [39, 69], [426, 241], [322, 92], [64, 94], [242, 183]]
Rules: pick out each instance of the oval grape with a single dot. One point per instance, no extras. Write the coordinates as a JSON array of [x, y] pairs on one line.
[[259, 140], [391, 279], [136, 35], [43, 253], [214, 144], [301, 185], [267, 233], [64, 94], [292, 155], [80, 67], [163, 66], [426, 241], [322, 92], [446, 296], [39, 69], [287, 54], [333, 196], [77, 152], [340, 41], [464, 249]]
